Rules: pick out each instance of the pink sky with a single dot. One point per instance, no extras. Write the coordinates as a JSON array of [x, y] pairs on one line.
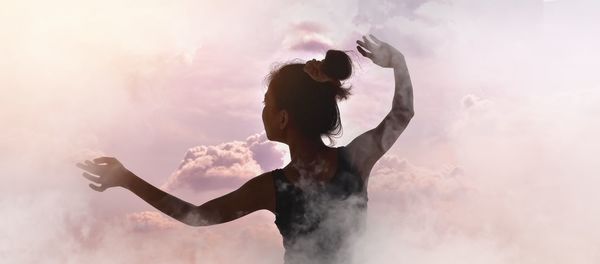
[[499, 164]]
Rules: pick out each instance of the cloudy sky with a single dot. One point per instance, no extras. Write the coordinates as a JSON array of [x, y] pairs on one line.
[[499, 164]]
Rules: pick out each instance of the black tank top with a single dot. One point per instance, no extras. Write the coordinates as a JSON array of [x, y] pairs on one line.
[[318, 219]]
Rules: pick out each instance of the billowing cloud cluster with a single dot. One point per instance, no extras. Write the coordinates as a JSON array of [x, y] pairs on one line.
[[407, 183], [225, 165]]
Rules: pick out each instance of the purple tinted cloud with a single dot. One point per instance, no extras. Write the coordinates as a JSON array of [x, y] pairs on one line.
[[316, 45], [225, 165], [308, 36]]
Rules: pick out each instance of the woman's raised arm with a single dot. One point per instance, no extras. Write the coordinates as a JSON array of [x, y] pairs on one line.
[[369, 147], [258, 193]]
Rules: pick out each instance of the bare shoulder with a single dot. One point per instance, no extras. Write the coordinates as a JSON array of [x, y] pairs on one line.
[[262, 179], [354, 156], [255, 194], [263, 190]]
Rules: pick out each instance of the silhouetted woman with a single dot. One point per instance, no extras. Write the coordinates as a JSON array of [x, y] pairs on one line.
[[320, 198]]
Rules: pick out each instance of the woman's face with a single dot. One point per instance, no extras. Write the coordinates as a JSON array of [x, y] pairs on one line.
[[275, 120], [268, 114]]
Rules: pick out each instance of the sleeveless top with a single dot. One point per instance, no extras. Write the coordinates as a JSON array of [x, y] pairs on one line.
[[318, 220]]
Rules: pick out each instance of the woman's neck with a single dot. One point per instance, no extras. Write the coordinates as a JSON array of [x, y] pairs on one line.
[[305, 150]]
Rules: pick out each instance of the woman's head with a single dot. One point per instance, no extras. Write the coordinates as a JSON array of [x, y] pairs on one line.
[[295, 100]]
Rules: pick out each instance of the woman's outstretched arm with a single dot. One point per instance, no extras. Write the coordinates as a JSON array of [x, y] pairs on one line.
[[369, 147], [256, 194]]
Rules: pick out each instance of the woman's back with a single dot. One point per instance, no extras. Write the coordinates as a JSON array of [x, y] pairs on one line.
[[317, 218]]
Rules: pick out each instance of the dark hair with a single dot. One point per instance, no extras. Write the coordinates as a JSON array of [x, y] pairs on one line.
[[312, 104]]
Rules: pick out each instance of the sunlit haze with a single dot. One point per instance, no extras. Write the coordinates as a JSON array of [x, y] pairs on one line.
[[499, 164]]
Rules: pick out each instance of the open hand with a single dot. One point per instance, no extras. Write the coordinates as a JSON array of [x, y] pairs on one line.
[[380, 53], [110, 173]]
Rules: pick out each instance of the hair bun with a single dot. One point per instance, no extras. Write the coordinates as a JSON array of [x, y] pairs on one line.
[[337, 64]]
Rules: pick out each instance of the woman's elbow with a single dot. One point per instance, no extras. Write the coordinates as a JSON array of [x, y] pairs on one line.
[[198, 217], [406, 116]]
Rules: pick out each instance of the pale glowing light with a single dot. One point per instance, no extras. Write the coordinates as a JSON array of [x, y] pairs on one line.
[[499, 164]]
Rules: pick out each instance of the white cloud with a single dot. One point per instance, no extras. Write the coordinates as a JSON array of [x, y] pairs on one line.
[[225, 165]]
